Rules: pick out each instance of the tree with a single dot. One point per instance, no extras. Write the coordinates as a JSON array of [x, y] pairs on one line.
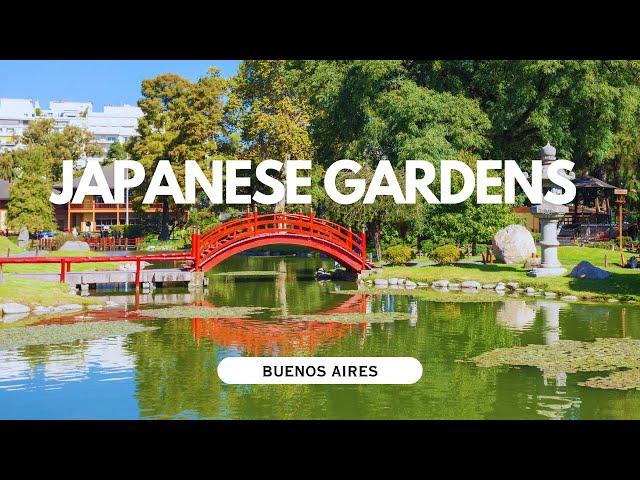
[[182, 121], [29, 204], [116, 151], [272, 119], [72, 143]]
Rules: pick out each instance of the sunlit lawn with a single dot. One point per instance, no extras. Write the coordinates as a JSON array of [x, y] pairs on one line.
[[55, 267], [37, 292], [623, 282]]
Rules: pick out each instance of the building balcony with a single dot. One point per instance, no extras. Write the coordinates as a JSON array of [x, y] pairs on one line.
[[110, 207]]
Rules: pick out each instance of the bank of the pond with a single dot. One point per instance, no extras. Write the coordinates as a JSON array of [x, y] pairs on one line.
[[38, 293], [624, 284]]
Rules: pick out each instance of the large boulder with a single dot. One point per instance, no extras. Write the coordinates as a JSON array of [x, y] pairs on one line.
[[75, 246], [513, 244], [586, 270]]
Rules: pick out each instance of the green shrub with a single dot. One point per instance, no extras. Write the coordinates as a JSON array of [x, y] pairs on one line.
[[399, 254], [536, 236], [446, 254]]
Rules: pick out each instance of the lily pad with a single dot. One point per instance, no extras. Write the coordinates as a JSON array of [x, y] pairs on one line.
[[66, 333], [351, 318], [571, 356], [201, 312]]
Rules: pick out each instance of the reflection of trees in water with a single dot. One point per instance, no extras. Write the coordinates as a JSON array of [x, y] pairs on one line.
[[175, 375]]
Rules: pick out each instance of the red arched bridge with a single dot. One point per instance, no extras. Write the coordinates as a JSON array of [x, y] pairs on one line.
[[235, 236], [259, 230]]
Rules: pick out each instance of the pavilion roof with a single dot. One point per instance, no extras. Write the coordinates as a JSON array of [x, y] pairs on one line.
[[588, 181]]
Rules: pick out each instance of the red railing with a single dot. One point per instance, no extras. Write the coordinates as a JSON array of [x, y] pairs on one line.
[[66, 262], [328, 236]]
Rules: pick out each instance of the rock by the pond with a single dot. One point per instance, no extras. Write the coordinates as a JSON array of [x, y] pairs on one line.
[[380, 282], [41, 310], [529, 290], [588, 271], [23, 237], [423, 284], [550, 294], [440, 283], [500, 286], [513, 244], [11, 308], [489, 286], [393, 281], [14, 317], [632, 263], [410, 284], [454, 286], [68, 307], [470, 284], [569, 298], [612, 300], [513, 285], [75, 246]]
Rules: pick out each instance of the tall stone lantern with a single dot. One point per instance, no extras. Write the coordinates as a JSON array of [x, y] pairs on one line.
[[549, 214]]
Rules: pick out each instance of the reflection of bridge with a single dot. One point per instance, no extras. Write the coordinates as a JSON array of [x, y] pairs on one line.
[[254, 231], [257, 337]]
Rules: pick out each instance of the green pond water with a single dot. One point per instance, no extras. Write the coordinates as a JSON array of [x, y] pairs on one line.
[[170, 372]]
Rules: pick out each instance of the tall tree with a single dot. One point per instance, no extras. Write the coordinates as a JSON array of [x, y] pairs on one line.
[[272, 118], [182, 121], [29, 204]]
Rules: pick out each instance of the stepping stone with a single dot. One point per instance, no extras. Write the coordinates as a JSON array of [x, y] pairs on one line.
[[529, 290], [440, 283], [500, 287], [489, 286], [550, 294], [470, 284], [513, 285], [454, 286], [569, 298]]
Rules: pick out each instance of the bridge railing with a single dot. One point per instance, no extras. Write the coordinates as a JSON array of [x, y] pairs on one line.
[[253, 224]]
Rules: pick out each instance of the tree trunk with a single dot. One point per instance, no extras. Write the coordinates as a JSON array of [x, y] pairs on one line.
[[376, 240], [164, 227]]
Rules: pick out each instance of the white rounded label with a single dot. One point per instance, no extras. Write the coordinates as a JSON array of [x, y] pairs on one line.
[[320, 370]]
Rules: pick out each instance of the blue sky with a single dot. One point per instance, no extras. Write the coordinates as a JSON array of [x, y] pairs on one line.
[[103, 82]]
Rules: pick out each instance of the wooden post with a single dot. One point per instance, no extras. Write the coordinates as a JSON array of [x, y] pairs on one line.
[[137, 274], [606, 261], [363, 247], [311, 222], [63, 269], [69, 216]]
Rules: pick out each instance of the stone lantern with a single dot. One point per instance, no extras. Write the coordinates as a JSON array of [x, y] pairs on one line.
[[549, 214]]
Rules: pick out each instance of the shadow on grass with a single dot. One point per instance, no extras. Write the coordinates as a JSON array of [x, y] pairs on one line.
[[616, 284]]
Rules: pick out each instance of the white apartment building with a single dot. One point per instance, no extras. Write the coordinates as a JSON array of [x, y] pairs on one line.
[[114, 123]]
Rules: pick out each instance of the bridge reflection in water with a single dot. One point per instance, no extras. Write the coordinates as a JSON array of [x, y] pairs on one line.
[[268, 338]]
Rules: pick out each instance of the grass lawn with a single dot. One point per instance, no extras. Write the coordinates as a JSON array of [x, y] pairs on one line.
[[623, 283], [38, 292], [55, 268], [7, 245]]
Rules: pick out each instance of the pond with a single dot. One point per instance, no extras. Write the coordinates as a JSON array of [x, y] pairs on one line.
[[170, 371]]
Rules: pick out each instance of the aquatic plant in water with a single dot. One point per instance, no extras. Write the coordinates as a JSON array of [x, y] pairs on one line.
[[192, 311], [66, 333], [571, 356], [351, 318]]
